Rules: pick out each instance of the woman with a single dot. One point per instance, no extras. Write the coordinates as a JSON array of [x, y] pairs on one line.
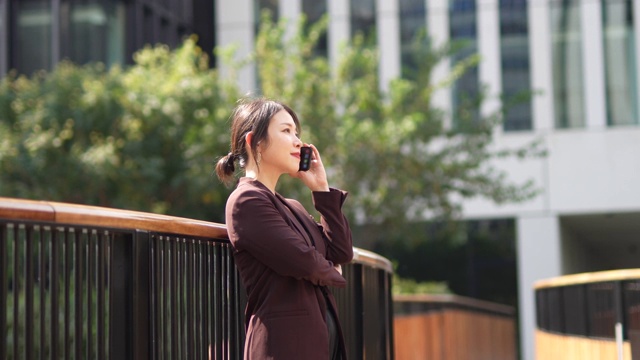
[[286, 259]]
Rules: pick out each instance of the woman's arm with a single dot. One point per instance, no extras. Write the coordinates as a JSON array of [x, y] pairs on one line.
[[328, 202], [334, 225]]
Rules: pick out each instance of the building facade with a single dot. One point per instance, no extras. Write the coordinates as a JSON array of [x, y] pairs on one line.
[[580, 59], [37, 34]]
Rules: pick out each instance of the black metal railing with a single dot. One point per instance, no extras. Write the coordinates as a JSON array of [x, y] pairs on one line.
[[56, 291], [591, 310], [196, 299], [603, 305], [366, 308], [94, 283]]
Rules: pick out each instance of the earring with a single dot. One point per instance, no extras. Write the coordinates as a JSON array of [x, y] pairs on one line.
[[259, 158]]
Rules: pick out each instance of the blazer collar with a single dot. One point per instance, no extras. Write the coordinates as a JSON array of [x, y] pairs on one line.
[[297, 219], [285, 209]]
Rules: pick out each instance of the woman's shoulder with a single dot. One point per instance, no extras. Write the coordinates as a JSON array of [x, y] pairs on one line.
[[249, 188]]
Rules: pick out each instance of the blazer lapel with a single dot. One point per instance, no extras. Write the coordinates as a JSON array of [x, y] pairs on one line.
[[295, 220]]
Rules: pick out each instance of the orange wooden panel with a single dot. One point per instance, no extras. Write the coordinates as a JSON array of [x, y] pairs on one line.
[[556, 346], [454, 335], [418, 337]]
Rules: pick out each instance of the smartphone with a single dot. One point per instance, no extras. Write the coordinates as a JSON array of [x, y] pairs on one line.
[[305, 158]]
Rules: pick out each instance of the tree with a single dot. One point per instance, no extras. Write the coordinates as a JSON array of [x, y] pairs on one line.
[[146, 137], [391, 150], [142, 138], [398, 160]]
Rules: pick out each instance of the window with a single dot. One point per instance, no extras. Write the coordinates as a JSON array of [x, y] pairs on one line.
[[620, 62], [4, 40], [413, 27], [97, 32], [463, 36], [567, 65], [261, 6], [315, 10], [363, 19], [33, 47], [514, 45]]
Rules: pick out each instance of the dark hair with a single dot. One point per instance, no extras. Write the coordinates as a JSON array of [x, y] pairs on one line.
[[251, 115]]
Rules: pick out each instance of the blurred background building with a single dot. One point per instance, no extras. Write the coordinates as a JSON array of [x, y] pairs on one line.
[[579, 57], [36, 34]]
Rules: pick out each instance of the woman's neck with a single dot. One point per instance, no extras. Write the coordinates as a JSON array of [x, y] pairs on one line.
[[270, 181]]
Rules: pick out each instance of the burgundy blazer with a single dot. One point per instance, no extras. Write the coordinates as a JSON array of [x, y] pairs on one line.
[[285, 259]]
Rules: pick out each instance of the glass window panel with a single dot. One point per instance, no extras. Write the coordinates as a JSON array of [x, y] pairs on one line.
[[363, 19], [259, 7], [413, 27], [315, 10], [620, 62], [567, 65], [514, 45], [4, 38], [265, 5], [97, 32], [465, 90], [33, 36], [116, 42], [148, 27]]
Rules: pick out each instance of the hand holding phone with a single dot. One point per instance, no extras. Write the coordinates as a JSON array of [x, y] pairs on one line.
[[311, 170], [305, 158]]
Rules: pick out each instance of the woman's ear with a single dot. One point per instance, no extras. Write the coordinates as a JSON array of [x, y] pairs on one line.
[[248, 138]]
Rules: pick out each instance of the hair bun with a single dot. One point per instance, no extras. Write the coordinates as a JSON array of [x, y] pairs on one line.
[[229, 163]]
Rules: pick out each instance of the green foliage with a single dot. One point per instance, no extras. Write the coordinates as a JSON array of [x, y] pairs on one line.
[[141, 138], [477, 260], [391, 150], [398, 160], [146, 137], [404, 286]]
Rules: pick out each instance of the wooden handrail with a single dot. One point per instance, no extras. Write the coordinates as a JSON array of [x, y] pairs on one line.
[[591, 277], [456, 300], [64, 213], [372, 259]]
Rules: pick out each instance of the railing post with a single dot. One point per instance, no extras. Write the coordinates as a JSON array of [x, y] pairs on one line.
[[358, 307], [617, 301], [386, 280], [122, 327], [129, 298], [3, 288], [141, 295]]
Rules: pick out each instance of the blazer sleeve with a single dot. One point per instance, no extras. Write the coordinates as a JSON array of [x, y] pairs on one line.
[[334, 225], [255, 225]]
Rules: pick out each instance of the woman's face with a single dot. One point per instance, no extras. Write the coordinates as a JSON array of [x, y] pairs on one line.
[[282, 153]]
